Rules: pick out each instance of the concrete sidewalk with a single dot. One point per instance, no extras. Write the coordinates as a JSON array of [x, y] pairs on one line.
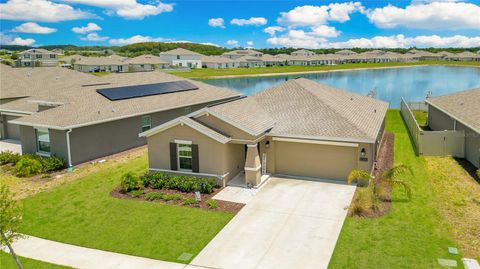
[[85, 258]]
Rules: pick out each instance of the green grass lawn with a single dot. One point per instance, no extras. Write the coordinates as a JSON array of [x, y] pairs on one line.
[[6, 262], [412, 235], [209, 72], [420, 117], [83, 213]]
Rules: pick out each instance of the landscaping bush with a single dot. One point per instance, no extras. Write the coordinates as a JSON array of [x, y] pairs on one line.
[[362, 202], [381, 192], [181, 183], [172, 197], [27, 167], [190, 201], [135, 193], [7, 157], [212, 204], [52, 163], [130, 182], [362, 178], [154, 196]]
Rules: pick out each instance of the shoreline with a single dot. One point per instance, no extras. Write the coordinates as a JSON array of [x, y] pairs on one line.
[[326, 71]]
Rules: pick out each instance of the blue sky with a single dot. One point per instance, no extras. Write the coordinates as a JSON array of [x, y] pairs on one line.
[[260, 24]]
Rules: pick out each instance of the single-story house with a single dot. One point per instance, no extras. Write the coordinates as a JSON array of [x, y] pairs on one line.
[[182, 58], [112, 63], [146, 62], [80, 117], [303, 52], [218, 62], [235, 54], [300, 128], [458, 111]]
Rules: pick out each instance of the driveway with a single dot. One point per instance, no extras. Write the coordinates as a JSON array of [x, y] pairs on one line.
[[290, 223]]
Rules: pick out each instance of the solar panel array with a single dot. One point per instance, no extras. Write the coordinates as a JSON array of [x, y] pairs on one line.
[[128, 92]]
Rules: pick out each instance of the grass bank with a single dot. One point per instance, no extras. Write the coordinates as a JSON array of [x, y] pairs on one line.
[[206, 73], [413, 235], [83, 212], [6, 262]]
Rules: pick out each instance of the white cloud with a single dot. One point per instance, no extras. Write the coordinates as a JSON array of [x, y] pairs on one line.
[[137, 39], [273, 29], [325, 31], [33, 28], [128, 9], [256, 21], [91, 27], [249, 44], [94, 37], [10, 40], [400, 41], [309, 15], [40, 10], [435, 15], [216, 22], [233, 43], [297, 39]]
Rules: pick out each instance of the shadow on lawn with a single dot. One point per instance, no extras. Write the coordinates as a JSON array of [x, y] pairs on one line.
[[468, 167]]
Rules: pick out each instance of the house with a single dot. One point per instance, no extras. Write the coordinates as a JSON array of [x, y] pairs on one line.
[[182, 58], [145, 62], [458, 111], [112, 63], [218, 62], [80, 117], [303, 52], [300, 128], [235, 54], [464, 56], [37, 58], [345, 52]]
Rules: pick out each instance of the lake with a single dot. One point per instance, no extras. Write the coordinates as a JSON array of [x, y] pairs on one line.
[[411, 83]]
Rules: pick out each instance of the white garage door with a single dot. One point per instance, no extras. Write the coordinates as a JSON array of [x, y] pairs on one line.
[[314, 160]]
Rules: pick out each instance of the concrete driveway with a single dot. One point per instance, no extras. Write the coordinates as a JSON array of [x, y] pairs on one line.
[[290, 223]]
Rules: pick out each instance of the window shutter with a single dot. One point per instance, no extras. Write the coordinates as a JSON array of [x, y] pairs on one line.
[[195, 161], [173, 156]]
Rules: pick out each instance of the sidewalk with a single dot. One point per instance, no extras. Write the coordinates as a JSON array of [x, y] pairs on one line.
[[85, 258]]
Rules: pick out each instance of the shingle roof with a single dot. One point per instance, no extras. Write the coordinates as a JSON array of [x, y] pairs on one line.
[[38, 51], [84, 106], [304, 108], [145, 59], [180, 51], [464, 106], [217, 59], [106, 60]]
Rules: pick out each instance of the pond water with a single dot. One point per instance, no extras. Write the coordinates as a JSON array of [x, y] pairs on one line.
[[391, 84]]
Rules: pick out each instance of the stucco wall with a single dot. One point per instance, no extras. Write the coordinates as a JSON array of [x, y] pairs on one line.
[[29, 142], [8, 130], [472, 144], [224, 127], [439, 121]]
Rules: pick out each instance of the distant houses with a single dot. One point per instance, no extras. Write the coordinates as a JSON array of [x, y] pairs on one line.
[[182, 58], [37, 58]]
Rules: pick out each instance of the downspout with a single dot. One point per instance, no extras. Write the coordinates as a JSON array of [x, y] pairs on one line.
[[69, 155]]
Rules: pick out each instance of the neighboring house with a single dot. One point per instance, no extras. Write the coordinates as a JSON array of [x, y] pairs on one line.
[[299, 128], [145, 62], [80, 117], [37, 58], [464, 56], [345, 52], [458, 111], [112, 63], [235, 54], [182, 58], [218, 62], [303, 52]]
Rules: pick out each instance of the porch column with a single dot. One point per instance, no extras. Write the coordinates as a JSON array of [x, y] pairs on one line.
[[252, 166]]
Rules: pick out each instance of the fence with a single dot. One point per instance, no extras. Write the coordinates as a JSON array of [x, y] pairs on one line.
[[432, 143]]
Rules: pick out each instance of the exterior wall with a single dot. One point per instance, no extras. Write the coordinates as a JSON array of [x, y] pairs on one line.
[[8, 130], [224, 127], [29, 142], [192, 61], [102, 68], [472, 145], [58, 144], [439, 121], [140, 67]]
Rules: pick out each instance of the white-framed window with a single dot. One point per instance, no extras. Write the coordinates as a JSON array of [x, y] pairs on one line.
[[43, 140], [146, 123], [184, 153], [188, 110]]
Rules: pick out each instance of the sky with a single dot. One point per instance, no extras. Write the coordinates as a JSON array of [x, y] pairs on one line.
[[257, 24]]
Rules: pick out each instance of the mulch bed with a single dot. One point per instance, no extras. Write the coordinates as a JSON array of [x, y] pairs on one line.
[[224, 206]]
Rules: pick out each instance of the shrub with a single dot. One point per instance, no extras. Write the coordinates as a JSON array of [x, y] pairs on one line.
[[7, 157], [156, 180], [381, 192], [52, 163], [154, 196], [362, 202], [135, 193], [206, 185], [190, 201], [172, 197], [212, 204], [130, 182], [362, 178], [27, 167], [181, 183]]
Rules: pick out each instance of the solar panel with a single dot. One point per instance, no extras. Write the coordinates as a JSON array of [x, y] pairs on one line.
[[127, 92]]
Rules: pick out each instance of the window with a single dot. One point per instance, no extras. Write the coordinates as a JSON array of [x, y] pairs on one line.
[[178, 57], [184, 157], [53, 56], [146, 123], [43, 140], [39, 56], [188, 110]]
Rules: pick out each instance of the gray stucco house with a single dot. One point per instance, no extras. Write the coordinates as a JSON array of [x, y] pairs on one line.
[[458, 111], [80, 117], [37, 58]]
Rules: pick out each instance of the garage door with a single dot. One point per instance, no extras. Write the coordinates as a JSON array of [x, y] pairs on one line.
[[314, 160]]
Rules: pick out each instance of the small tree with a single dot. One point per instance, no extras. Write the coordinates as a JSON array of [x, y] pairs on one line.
[[395, 175], [362, 177], [10, 218]]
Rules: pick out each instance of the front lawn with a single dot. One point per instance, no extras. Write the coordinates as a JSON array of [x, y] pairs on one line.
[[84, 213], [414, 234], [7, 262]]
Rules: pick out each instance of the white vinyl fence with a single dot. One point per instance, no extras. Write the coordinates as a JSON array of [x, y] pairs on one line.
[[432, 143]]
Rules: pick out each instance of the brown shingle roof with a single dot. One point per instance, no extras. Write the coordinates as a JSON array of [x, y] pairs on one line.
[[180, 51], [464, 106]]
